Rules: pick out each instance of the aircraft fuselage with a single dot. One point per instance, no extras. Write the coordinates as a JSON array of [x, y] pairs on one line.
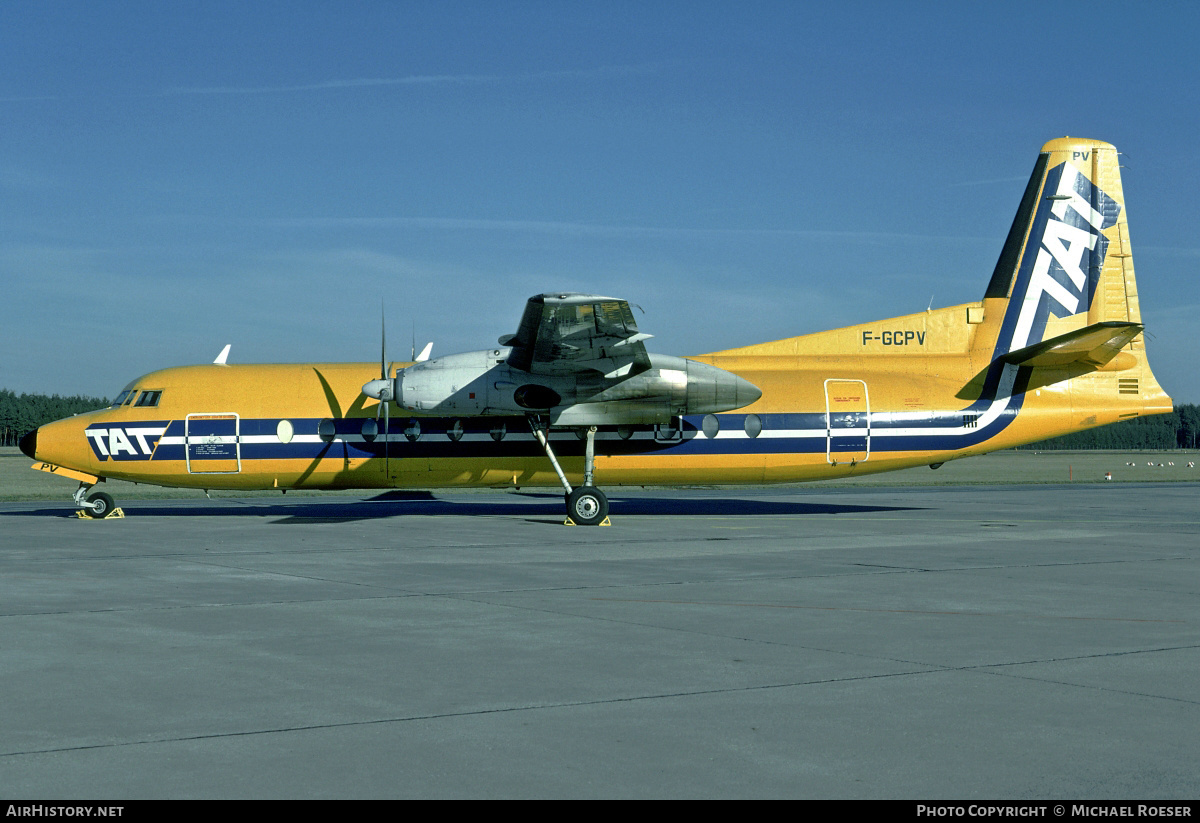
[[821, 416]]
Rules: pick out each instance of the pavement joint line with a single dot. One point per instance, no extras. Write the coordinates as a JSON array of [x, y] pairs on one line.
[[1014, 615], [460, 714], [927, 669]]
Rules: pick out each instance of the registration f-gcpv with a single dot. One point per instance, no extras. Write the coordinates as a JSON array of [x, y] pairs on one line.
[[574, 398]]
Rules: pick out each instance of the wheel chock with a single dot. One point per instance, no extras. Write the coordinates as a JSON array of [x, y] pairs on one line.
[[116, 514], [604, 522]]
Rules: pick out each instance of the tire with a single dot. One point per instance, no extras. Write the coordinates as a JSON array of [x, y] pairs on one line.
[[587, 506], [101, 505]]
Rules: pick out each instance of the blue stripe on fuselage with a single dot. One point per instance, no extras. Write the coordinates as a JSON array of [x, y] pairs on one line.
[[932, 431]]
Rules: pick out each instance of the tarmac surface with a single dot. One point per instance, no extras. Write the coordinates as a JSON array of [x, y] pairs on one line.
[[1008, 642]]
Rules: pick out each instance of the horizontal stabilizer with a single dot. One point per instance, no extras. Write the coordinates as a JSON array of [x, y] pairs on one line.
[[1095, 344]]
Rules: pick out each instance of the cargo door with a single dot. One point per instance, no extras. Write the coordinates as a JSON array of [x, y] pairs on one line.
[[212, 443]]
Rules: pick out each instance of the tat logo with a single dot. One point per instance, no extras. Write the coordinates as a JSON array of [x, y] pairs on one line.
[[126, 442], [1070, 252]]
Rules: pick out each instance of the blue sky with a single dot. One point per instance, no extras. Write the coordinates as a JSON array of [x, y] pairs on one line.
[[178, 176]]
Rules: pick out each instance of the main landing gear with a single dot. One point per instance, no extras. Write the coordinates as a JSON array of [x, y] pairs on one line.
[[586, 505]]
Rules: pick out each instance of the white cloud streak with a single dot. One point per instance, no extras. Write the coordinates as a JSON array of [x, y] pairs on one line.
[[990, 182], [417, 80], [568, 228]]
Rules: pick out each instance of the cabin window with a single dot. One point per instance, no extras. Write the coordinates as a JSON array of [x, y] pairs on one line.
[[753, 425], [284, 431], [149, 398], [326, 430]]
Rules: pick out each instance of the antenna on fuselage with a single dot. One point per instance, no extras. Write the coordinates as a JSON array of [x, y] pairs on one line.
[[220, 361], [424, 355]]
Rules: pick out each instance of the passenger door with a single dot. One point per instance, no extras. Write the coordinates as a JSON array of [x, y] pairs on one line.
[[847, 421]]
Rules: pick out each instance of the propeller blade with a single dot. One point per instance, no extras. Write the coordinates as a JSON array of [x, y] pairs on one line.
[[382, 389], [386, 387]]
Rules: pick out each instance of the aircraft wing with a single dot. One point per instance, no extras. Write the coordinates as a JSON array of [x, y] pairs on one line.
[[572, 333]]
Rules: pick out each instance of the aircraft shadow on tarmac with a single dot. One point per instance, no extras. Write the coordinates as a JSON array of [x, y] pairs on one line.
[[523, 504]]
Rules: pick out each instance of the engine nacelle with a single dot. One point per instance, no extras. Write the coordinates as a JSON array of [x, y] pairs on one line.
[[460, 384], [482, 383]]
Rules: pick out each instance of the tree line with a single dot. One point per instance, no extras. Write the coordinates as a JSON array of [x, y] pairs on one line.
[[20, 413], [1178, 430]]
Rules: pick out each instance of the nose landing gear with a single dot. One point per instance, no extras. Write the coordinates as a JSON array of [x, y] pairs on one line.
[[98, 505]]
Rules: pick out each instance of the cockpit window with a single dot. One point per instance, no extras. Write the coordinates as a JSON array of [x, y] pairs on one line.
[[614, 318], [129, 399], [149, 397], [121, 398]]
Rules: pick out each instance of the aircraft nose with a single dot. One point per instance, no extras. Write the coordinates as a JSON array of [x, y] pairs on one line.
[[28, 444]]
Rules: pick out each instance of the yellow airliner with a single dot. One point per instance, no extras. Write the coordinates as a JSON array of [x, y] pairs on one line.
[[1055, 346]]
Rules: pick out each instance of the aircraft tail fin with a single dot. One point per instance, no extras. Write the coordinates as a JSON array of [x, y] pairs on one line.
[[1067, 262], [1064, 285]]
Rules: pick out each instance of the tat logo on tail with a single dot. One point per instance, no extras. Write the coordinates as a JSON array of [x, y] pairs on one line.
[[1061, 278]]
